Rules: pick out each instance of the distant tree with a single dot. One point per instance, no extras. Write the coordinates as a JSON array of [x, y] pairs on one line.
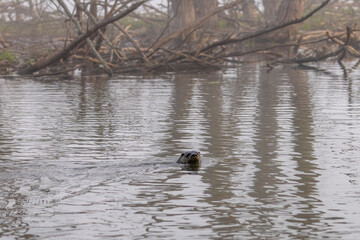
[[183, 14], [270, 9], [250, 11], [203, 7], [93, 10], [287, 11]]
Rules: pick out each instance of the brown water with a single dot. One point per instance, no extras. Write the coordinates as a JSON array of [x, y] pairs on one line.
[[94, 158]]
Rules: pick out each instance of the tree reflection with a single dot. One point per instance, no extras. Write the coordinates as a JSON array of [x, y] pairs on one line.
[[303, 150], [267, 176]]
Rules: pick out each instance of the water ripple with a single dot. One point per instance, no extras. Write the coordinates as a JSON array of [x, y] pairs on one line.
[[93, 158]]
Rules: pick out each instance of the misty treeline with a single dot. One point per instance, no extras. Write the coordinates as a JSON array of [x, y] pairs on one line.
[[54, 37]]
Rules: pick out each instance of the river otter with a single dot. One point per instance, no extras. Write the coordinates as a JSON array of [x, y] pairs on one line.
[[190, 157]]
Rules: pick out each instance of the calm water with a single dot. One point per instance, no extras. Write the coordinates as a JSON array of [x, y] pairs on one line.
[[94, 158]]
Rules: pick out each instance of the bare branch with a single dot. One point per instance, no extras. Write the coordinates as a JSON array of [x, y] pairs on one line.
[[264, 31], [63, 53]]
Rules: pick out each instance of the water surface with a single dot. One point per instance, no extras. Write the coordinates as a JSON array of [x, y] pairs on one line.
[[94, 158]]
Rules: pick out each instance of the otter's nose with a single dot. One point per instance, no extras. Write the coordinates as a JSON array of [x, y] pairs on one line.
[[195, 154]]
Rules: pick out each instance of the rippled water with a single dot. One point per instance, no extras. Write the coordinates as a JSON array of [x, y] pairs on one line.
[[94, 158]]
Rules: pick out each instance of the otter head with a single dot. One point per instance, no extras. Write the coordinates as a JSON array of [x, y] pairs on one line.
[[190, 157]]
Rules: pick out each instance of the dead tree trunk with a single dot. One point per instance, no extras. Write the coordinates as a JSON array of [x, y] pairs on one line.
[[192, 26], [184, 14], [270, 9], [249, 10], [18, 16], [288, 10], [203, 7], [94, 12]]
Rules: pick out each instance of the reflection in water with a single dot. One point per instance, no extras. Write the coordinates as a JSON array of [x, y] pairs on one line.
[[267, 177], [95, 158], [307, 169]]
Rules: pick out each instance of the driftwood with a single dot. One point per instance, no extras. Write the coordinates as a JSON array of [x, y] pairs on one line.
[[63, 53]]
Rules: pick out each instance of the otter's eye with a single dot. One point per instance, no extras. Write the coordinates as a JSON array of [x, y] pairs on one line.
[[182, 154]]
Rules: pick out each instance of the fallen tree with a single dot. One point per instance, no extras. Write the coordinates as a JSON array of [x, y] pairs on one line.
[[64, 53], [101, 51]]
